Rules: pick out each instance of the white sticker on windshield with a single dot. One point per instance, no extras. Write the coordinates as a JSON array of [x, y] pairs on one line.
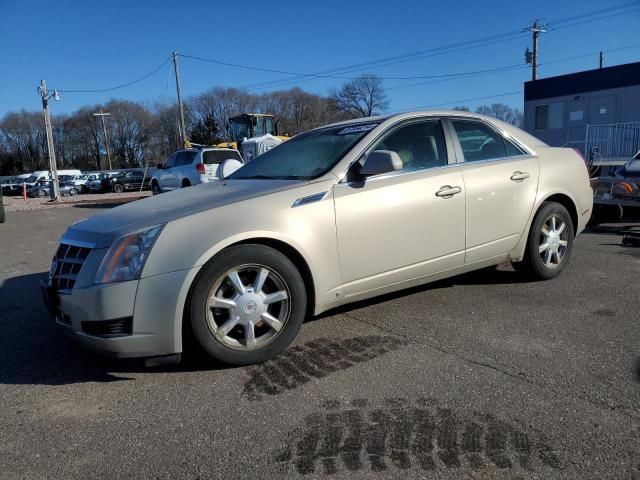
[[358, 128]]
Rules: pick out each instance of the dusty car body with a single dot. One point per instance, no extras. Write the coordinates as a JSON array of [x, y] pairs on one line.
[[238, 264]]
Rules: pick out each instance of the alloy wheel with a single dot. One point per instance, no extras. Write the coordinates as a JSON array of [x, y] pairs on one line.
[[248, 307], [554, 241]]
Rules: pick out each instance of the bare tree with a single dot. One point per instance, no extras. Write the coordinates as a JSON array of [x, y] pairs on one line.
[[361, 97], [503, 112]]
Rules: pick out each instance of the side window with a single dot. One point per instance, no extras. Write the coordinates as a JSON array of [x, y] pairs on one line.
[[171, 161], [186, 158], [419, 145], [478, 141]]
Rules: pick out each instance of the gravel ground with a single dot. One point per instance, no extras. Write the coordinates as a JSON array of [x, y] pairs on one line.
[[17, 204], [481, 376]]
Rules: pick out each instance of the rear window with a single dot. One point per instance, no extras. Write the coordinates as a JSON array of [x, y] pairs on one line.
[[218, 156]]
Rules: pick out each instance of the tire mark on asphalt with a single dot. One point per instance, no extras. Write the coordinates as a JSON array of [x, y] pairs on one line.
[[399, 435], [314, 360]]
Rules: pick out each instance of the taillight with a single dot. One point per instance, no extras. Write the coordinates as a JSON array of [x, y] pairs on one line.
[[200, 168]]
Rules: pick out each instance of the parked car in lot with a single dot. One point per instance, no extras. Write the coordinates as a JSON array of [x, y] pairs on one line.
[[13, 185], [99, 185], [43, 189], [334, 215], [134, 179], [194, 166], [45, 176], [83, 180]]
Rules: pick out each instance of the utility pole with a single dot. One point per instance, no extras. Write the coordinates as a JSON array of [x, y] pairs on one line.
[[601, 59], [183, 133], [104, 131], [53, 167], [536, 29]]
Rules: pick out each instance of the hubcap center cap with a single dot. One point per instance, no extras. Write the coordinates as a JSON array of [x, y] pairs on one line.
[[250, 306]]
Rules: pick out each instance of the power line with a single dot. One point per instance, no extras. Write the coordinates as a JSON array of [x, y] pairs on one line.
[[413, 77], [507, 36], [383, 62], [517, 92], [512, 68], [128, 84]]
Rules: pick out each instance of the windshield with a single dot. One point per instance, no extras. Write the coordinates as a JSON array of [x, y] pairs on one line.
[[305, 156], [31, 179]]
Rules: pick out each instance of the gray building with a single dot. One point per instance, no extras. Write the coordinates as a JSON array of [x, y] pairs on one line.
[[596, 108]]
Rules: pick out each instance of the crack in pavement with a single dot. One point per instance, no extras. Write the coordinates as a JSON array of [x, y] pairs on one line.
[[622, 409]]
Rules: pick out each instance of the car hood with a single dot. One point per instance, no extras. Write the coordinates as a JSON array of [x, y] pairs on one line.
[[101, 229]]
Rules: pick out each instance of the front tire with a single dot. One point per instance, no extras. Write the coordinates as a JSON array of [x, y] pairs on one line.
[[550, 242], [117, 188], [247, 304]]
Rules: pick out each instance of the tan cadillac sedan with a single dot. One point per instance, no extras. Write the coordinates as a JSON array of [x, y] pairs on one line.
[[338, 214]]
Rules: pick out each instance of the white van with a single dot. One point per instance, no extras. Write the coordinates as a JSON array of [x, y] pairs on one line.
[[45, 175]]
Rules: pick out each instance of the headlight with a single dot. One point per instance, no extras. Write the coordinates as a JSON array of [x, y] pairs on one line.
[[126, 257]]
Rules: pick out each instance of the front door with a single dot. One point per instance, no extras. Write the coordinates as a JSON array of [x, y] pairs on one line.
[[397, 227]]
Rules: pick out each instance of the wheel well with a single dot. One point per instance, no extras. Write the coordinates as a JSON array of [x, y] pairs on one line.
[[297, 259], [567, 203], [185, 182], [284, 248]]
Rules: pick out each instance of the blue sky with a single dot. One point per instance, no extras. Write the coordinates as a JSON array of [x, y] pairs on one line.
[[93, 45]]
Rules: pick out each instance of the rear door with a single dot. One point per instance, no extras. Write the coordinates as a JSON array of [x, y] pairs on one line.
[[501, 182], [167, 176]]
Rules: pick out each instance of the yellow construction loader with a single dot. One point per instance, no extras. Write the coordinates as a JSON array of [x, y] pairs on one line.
[[251, 125]]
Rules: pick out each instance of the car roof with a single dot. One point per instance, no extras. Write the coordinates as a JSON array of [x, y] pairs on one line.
[[511, 130]]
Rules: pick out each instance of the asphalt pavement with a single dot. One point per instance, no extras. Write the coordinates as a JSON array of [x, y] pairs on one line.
[[485, 375]]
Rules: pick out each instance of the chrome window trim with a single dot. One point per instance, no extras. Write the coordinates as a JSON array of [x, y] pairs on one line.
[[499, 159], [399, 173]]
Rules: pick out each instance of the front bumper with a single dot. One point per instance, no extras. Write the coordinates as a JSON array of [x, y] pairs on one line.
[[138, 318]]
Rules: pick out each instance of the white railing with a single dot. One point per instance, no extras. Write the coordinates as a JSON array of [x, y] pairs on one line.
[[613, 140]]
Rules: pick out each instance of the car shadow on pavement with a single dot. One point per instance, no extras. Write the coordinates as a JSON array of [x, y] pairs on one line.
[[34, 350], [503, 274]]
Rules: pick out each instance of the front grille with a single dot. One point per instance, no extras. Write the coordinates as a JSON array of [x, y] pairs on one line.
[[109, 328], [68, 263]]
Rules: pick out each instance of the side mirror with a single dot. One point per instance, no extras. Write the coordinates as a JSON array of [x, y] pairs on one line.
[[380, 161], [159, 166]]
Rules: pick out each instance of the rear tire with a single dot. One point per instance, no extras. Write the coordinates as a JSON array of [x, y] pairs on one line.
[[186, 183], [247, 304], [41, 193], [73, 192], [550, 242], [155, 188]]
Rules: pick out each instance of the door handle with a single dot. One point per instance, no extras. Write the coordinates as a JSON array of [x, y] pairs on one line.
[[448, 191], [518, 176]]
